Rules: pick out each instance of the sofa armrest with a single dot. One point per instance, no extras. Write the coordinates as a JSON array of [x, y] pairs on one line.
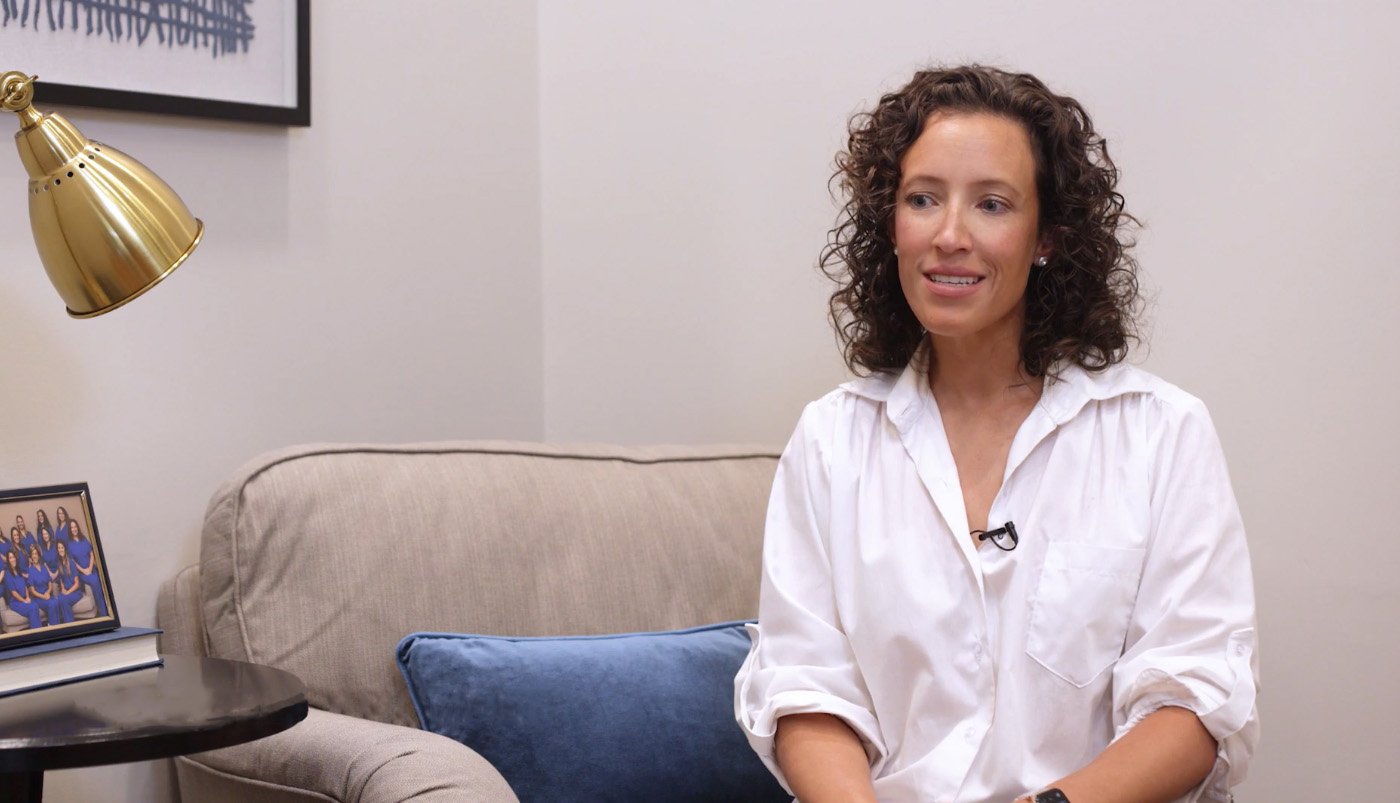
[[339, 758], [178, 614]]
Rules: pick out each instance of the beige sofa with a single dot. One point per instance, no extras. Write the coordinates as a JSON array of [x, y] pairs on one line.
[[318, 559]]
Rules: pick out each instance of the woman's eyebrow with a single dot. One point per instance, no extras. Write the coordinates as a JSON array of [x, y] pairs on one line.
[[924, 179]]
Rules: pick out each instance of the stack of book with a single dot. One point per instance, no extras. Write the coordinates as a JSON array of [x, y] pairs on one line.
[[49, 663]]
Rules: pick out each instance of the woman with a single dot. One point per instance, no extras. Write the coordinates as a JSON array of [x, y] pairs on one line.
[[40, 582], [1003, 565], [61, 523], [6, 547], [48, 547], [86, 563], [16, 588], [68, 585], [27, 538], [16, 546]]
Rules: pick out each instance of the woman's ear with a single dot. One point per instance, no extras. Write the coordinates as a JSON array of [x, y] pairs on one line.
[[1044, 250]]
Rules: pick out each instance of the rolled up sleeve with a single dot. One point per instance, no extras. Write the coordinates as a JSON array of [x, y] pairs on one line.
[[800, 660], [1192, 641]]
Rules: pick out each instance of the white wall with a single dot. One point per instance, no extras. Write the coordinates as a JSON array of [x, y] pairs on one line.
[[374, 277], [685, 149]]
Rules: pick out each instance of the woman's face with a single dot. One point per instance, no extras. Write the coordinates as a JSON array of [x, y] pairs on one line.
[[62, 515], [14, 536], [41, 518], [33, 555], [62, 550], [13, 560], [966, 225], [74, 529]]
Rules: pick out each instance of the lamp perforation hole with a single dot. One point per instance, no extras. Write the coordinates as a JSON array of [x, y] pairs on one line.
[[70, 173], [57, 181], [81, 165]]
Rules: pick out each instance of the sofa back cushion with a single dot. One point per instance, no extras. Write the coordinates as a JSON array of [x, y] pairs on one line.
[[318, 559]]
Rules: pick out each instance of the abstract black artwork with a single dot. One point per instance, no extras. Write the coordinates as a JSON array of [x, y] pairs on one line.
[[222, 26], [234, 59]]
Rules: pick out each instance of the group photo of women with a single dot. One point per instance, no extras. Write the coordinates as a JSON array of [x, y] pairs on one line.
[[47, 567]]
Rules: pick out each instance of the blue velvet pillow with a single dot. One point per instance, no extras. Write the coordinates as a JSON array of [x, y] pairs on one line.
[[630, 717]]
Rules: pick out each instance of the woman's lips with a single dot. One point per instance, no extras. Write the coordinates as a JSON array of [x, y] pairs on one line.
[[951, 285]]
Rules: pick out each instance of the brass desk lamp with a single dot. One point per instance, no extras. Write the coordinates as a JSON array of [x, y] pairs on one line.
[[107, 228]]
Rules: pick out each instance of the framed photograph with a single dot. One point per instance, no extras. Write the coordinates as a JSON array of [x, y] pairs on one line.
[[228, 59], [54, 580]]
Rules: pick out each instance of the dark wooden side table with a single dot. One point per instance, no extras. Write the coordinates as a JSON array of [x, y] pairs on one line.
[[189, 705]]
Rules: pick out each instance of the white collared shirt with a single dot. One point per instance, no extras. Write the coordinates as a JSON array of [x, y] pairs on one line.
[[978, 675]]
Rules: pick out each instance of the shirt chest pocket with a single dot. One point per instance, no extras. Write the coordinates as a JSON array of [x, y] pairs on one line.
[[1080, 608]]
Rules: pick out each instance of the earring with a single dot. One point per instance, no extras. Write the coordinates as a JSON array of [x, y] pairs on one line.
[[1042, 262], [895, 250]]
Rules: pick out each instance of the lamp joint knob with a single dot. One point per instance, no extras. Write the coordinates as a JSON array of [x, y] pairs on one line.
[[16, 90]]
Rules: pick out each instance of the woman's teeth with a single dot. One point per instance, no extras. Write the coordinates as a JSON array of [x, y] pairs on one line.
[[959, 280]]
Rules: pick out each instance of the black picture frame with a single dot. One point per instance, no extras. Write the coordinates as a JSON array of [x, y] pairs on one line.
[[15, 631], [99, 98]]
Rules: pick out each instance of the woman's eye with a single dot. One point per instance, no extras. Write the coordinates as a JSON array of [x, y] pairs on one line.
[[994, 205], [920, 201]]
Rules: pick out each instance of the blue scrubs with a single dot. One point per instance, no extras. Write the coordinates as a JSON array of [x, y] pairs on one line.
[[16, 586], [67, 599], [50, 556], [39, 583], [81, 552]]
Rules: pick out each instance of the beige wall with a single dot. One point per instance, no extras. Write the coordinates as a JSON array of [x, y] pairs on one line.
[[600, 224], [685, 153], [374, 277]]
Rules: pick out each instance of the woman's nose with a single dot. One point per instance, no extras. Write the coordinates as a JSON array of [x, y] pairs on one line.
[[952, 234]]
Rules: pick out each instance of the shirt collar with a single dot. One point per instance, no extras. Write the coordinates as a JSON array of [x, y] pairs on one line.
[[1072, 387], [906, 394]]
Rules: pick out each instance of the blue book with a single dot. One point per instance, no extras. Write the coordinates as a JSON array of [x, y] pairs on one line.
[[38, 666]]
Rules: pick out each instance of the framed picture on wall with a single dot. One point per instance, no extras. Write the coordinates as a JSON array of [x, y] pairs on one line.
[[229, 59], [53, 583]]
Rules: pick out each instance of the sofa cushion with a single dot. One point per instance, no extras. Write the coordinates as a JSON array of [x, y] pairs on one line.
[[637, 716], [317, 559]]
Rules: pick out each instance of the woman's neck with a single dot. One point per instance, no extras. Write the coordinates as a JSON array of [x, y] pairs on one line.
[[977, 372]]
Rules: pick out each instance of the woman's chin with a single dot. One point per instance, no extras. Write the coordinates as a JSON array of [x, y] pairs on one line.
[[946, 329]]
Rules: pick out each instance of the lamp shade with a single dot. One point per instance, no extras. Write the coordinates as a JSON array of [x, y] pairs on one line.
[[107, 228]]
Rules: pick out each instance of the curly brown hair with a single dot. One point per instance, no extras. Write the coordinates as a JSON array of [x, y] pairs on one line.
[[1081, 307]]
